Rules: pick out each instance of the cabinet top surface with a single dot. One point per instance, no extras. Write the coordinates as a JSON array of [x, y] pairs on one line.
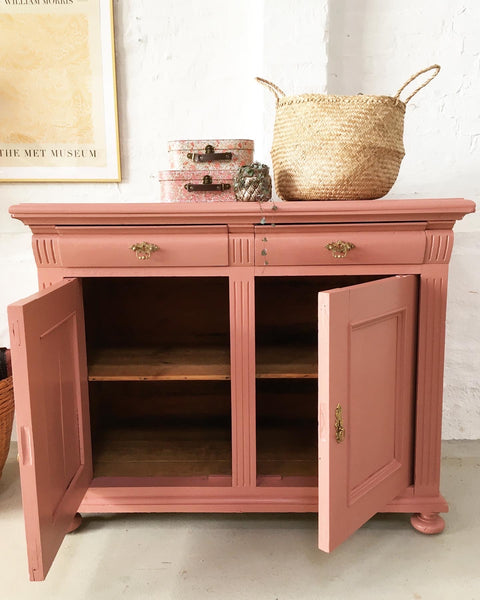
[[244, 213]]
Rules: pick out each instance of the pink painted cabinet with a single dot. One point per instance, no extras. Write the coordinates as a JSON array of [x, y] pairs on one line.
[[232, 358]]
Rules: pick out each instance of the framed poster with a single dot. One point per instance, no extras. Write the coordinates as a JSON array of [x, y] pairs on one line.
[[58, 106]]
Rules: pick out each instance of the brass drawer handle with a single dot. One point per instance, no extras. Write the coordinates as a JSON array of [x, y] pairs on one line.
[[339, 428], [340, 249], [143, 250]]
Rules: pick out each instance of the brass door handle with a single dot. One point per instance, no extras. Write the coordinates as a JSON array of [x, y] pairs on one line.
[[340, 249], [143, 250]]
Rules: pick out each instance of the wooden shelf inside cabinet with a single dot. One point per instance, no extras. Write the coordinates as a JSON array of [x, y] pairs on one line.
[[286, 362], [286, 450], [166, 450], [159, 364], [197, 363]]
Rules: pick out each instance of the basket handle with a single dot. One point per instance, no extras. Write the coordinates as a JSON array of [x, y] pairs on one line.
[[435, 68], [272, 87]]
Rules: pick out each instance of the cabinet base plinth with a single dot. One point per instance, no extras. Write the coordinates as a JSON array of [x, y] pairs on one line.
[[428, 523], [75, 524]]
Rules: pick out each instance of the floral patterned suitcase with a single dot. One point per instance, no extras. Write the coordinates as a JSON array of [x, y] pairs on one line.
[[196, 186], [210, 155]]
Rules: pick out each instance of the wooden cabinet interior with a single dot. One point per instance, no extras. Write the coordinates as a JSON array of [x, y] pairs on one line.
[[169, 429], [171, 328], [286, 323], [287, 432], [286, 343], [159, 373]]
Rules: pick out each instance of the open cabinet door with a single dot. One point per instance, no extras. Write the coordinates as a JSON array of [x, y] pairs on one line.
[[366, 352], [51, 398]]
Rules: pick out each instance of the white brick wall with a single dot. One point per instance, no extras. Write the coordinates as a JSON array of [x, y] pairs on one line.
[[186, 69], [374, 47]]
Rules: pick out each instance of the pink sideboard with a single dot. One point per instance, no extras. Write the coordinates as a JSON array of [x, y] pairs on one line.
[[230, 357]]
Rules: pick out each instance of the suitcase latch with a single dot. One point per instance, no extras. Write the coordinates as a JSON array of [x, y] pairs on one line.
[[210, 155], [207, 186]]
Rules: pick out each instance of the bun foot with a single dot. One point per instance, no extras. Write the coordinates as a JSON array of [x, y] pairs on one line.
[[75, 524], [428, 523]]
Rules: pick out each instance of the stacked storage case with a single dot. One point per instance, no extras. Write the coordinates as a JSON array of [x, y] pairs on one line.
[[203, 170]]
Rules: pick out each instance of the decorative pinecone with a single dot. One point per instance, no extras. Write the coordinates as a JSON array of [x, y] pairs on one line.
[[252, 183]]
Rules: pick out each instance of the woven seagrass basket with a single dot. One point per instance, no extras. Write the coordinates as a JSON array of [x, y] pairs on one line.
[[328, 147], [6, 409]]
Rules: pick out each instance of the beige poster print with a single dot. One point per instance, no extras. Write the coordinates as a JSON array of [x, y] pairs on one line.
[[52, 106]]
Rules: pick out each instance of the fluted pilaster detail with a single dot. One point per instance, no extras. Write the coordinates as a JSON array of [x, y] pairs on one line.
[[241, 246], [431, 347], [242, 328]]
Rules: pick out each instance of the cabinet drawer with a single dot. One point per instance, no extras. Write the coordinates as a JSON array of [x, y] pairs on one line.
[[380, 244], [176, 246]]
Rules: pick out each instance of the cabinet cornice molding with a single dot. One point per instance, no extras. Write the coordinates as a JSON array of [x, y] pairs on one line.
[[430, 210]]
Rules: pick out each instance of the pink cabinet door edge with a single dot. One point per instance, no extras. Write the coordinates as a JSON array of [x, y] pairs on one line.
[[365, 385], [50, 379]]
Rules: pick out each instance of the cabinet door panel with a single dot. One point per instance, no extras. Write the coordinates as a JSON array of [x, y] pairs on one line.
[[366, 366], [50, 385]]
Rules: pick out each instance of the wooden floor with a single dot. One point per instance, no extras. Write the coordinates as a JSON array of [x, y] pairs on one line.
[[196, 363]]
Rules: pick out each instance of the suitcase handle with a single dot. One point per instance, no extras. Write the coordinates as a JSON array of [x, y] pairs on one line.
[[206, 186], [210, 155]]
